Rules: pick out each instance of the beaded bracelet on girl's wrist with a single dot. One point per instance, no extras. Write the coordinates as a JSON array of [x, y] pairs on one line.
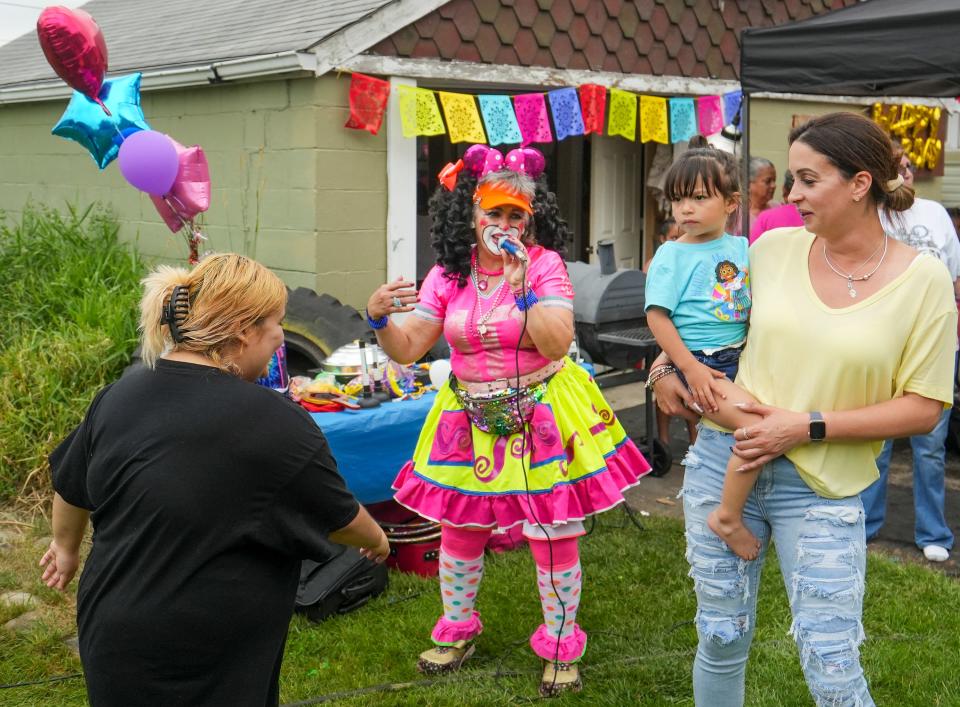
[[378, 323], [525, 302], [658, 372]]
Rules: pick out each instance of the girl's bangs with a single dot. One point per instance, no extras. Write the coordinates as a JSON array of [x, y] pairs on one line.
[[681, 179]]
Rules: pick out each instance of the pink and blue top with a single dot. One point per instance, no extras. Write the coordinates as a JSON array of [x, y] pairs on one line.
[[483, 329]]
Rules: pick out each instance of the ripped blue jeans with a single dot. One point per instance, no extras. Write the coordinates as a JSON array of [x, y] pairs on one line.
[[822, 553]]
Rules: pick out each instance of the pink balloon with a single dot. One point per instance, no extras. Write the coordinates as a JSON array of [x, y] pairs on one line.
[[149, 161], [73, 44], [190, 193]]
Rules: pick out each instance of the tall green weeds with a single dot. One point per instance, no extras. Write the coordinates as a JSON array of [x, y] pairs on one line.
[[68, 298]]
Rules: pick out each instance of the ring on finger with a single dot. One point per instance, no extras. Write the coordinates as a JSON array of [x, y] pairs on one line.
[[746, 434], [397, 303]]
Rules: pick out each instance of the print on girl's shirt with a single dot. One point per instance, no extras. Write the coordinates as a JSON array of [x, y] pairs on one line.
[[732, 290]]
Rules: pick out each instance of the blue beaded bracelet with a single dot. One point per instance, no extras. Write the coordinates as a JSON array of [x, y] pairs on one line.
[[525, 303], [378, 323]]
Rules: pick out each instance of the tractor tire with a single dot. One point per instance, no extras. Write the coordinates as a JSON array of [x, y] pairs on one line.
[[317, 325]]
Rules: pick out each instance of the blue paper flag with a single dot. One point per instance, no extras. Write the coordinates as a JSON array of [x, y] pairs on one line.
[[683, 119], [87, 123], [567, 118], [500, 120], [731, 107]]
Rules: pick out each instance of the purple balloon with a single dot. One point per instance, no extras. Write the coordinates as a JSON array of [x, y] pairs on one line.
[[149, 161]]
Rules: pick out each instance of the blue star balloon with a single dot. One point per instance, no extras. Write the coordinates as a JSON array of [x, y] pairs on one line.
[[87, 123]]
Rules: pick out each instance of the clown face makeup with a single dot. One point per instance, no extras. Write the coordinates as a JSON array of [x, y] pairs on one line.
[[492, 224]]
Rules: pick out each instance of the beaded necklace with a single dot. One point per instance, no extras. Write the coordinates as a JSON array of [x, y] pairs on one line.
[[485, 282], [479, 317]]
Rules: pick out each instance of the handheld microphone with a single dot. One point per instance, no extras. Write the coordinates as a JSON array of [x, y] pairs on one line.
[[506, 244]]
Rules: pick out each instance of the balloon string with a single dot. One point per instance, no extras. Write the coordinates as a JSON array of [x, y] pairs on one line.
[[194, 237], [105, 109]]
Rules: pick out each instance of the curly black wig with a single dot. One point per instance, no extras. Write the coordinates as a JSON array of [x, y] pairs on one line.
[[452, 236]]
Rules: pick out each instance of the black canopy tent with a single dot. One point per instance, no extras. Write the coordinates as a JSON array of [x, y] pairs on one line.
[[873, 48]]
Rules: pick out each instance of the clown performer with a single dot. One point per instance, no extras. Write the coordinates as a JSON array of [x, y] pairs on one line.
[[520, 434]]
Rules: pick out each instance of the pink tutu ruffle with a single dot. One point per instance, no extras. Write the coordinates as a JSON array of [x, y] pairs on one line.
[[447, 632], [571, 648], [566, 502]]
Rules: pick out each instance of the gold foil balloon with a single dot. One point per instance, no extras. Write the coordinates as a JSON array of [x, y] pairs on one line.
[[931, 152], [907, 119], [916, 129]]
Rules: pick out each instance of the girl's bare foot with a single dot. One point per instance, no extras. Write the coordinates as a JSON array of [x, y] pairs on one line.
[[735, 534]]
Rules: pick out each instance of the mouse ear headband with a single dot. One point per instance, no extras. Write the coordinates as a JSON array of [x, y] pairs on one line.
[[481, 160]]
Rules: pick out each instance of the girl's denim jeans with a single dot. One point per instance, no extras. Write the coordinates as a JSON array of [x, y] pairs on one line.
[[822, 553]]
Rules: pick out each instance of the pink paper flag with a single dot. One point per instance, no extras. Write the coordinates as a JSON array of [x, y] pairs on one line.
[[531, 110], [709, 114]]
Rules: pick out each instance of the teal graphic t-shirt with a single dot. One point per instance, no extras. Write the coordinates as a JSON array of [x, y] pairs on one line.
[[706, 289]]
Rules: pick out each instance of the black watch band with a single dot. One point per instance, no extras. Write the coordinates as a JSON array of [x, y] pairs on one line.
[[818, 427]]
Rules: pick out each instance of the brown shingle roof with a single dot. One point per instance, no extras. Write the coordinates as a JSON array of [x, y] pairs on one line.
[[673, 37]]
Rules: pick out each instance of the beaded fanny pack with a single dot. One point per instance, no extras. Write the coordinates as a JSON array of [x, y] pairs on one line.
[[504, 412]]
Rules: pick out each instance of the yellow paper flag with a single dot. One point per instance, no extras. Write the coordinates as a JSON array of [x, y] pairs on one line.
[[623, 114], [419, 114], [463, 120], [653, 120]]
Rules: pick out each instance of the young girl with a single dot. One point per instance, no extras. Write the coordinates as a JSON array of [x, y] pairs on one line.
[[698, 304]]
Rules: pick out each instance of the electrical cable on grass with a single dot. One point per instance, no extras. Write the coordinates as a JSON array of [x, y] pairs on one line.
[[42, 681]]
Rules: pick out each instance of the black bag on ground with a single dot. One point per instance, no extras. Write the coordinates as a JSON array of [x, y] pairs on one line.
[[344, 581]]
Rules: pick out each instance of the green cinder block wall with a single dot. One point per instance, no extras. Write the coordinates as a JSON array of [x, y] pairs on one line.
[[290, 185]]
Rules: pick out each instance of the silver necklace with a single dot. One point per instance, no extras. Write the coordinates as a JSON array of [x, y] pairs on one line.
[[849, 277], [479, 316]]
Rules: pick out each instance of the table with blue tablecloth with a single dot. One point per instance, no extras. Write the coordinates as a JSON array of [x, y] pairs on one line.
[[371, 445]]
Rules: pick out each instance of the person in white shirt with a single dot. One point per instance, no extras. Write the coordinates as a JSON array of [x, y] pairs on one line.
[[927, 227]]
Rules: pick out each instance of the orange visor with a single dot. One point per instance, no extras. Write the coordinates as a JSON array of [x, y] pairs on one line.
[[492, 195]]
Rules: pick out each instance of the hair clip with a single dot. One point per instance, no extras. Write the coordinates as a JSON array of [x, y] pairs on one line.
[[175, 311]]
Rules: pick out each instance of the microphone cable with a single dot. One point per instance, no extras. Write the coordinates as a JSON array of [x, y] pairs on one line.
[[526, 481]]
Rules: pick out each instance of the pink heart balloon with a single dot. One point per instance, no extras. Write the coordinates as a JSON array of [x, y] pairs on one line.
[[73, 44], [190, 193]]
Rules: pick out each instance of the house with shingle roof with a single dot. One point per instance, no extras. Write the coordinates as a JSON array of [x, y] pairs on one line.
[[262, 86]]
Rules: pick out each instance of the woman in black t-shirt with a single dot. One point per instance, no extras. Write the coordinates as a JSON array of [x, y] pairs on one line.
[[205, 492]]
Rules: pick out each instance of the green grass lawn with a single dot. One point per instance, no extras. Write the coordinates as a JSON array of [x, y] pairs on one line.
[[638, 610]]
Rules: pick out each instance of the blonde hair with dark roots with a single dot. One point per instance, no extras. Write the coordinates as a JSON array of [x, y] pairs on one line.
[[228, 293]]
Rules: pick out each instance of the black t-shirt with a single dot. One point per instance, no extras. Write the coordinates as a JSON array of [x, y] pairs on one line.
[[206, 491]]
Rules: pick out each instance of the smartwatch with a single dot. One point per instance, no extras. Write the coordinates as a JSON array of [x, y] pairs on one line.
[[818, 427]]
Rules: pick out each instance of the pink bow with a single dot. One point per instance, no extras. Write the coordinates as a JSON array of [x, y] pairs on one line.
[[448, 175]]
